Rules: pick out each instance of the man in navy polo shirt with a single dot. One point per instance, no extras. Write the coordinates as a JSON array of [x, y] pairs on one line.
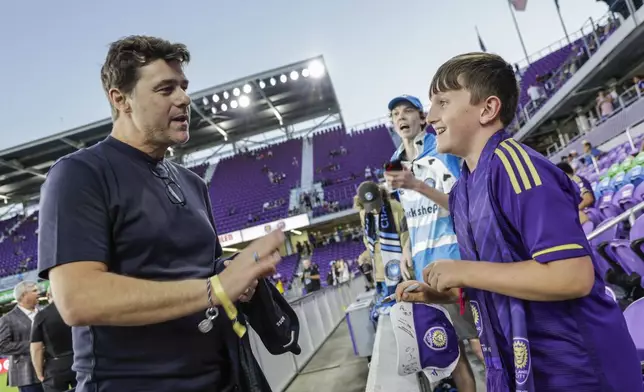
[[129, 243]]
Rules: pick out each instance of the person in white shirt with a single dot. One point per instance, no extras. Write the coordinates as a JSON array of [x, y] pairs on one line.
[[15, 337]]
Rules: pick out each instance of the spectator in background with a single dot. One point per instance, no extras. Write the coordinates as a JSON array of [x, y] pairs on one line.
[[310, 276], [590, 152], [604, 105], [366, 267], [573, 160], [639, 83], [367, 173], [15, 338], [585, 190], [344, 275], [52, 353], [536, 94]]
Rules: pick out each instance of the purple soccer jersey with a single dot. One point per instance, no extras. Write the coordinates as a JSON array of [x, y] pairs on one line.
[[518, 206]]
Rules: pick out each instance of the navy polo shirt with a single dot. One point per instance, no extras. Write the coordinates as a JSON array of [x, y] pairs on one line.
[[105, 204]]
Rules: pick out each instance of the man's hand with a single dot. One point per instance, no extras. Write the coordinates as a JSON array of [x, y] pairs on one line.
[[443, 275], [242, 273], [41, 378], [248, 294], [403, 179], [420, 294]]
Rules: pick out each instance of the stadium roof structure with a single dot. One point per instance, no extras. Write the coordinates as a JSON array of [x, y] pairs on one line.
[[275, 99]]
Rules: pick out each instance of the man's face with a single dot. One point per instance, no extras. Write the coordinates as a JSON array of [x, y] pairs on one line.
[[160, 106], [306, 263], [30, 297], [407, 120], [587, 148], [455, 121]]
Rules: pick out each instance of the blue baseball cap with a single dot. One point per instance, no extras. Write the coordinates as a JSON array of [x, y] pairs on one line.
[[413, 101]]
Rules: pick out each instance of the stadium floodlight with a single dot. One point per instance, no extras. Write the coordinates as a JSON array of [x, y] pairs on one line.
[[205, 101], [316, 68], [233, 104], [226, 95], [236, 92], [213, 110], [224, 107], [294, 75], [230, 249], [244, 101], [283, 78], [273, 82], [262, 84], [215, 98], [247, 89], [305, 72]]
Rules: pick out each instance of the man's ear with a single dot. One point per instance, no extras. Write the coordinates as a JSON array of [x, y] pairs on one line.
[[119, 100]]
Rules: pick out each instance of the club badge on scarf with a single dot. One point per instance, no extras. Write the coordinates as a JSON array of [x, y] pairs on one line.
[[426, 340], [386, 234]]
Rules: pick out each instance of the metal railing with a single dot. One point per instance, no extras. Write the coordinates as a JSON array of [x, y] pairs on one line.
[[629, 214], [624, 101]]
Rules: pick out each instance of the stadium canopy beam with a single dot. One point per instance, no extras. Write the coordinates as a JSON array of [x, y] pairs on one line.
[[19, 167], [69, 142], [214, 154], [324, 120], [276, 112], [209, 121]]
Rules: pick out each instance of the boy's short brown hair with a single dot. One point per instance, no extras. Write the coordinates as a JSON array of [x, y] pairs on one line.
[[483, 75]]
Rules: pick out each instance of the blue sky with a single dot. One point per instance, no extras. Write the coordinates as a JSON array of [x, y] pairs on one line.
[[374, 49]]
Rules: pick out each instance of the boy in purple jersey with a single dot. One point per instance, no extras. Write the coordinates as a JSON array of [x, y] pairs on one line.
[[545, 320], [585, 189]]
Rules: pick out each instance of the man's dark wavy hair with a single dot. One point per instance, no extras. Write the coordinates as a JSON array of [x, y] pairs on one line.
[[127, 55]]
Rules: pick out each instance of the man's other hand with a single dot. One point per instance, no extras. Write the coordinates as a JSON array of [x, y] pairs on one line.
[[403, 179], [241, 274]]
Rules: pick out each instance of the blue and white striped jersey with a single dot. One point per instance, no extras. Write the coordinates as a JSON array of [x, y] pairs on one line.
[[431, 230]]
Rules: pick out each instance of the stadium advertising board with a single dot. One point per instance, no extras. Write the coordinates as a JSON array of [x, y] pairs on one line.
[[4, 365], [231, 238], [294, 222]]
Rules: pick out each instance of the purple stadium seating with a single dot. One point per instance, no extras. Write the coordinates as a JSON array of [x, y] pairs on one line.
[[18, 250], [370, 148], [543, 66], [200, 170], [287, 269], [634, 316], [239, 187]]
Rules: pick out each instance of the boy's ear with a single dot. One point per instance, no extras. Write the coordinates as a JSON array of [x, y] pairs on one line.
[[490, 110]]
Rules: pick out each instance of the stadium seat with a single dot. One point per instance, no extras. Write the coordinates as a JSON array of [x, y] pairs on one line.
[[634, 315]]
